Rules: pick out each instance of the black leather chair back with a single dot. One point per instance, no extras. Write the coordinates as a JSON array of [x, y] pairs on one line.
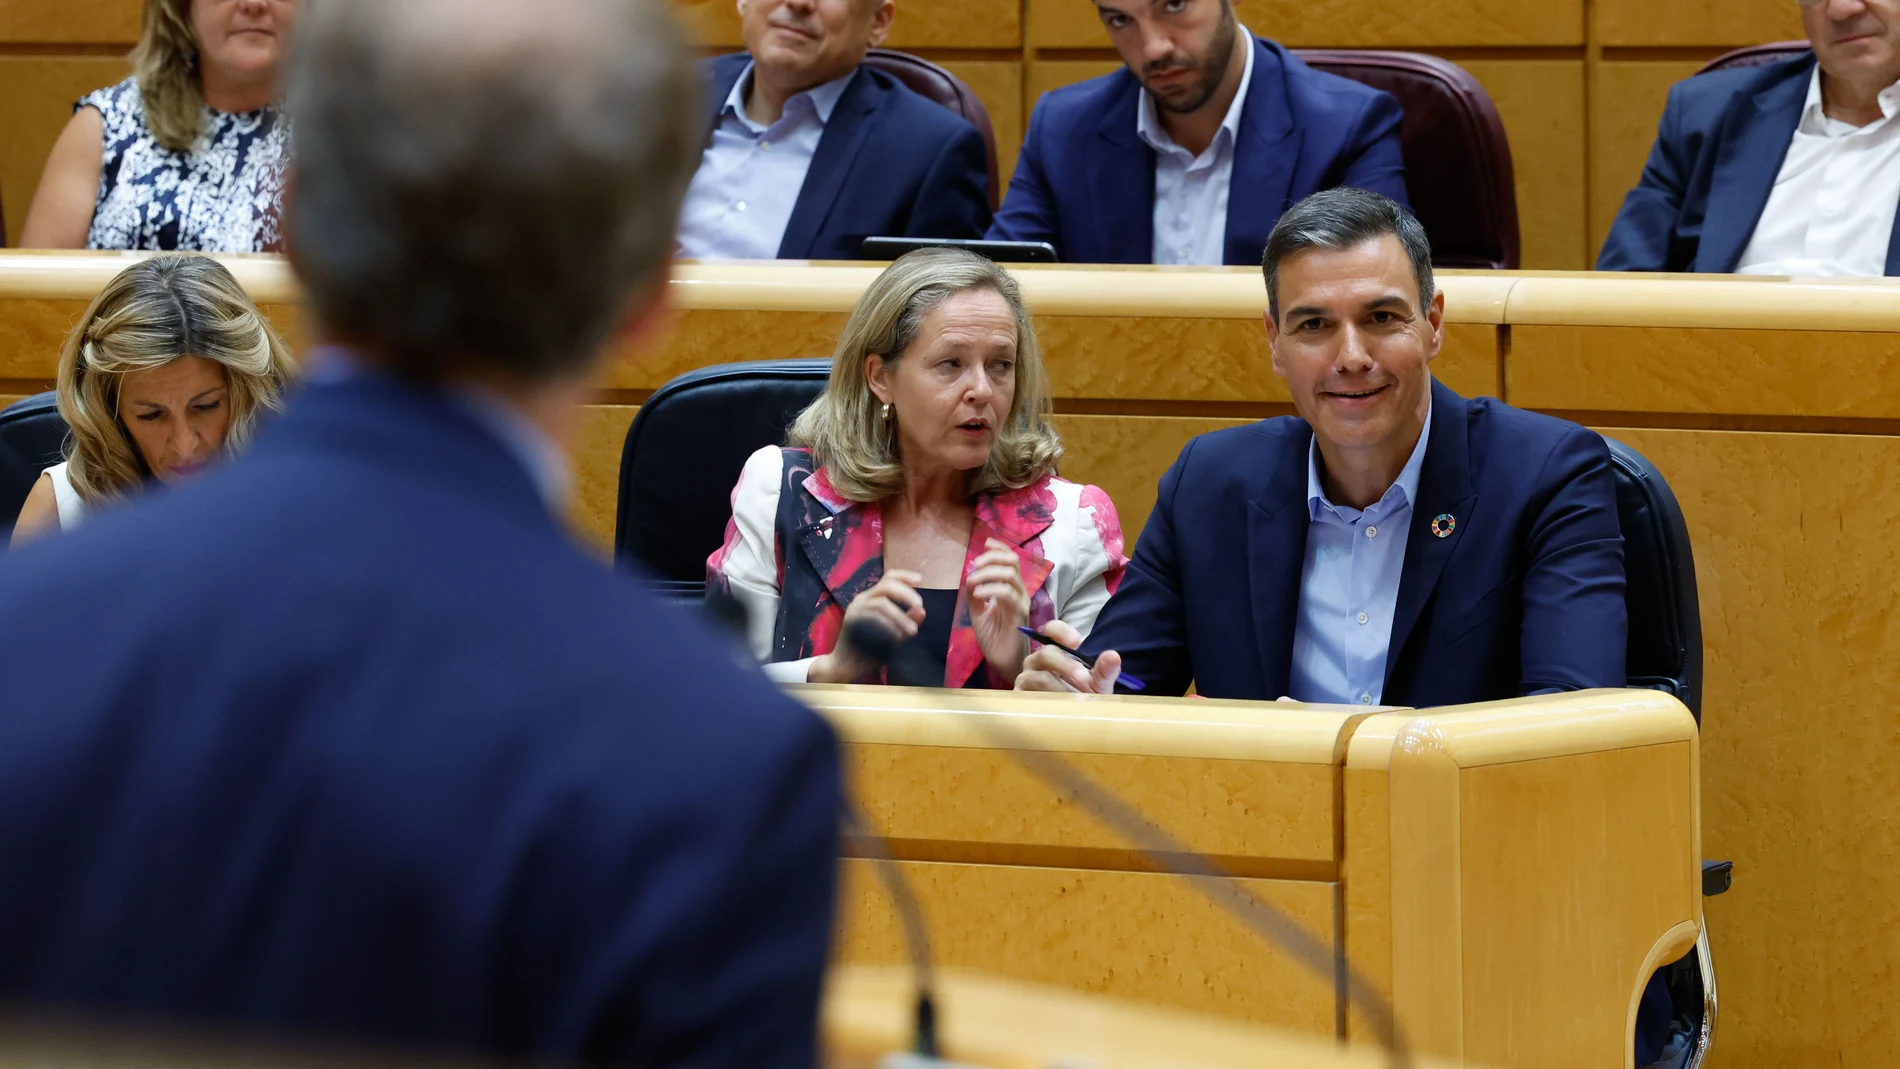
[[684, 452], [32, 439], [1665, 639]]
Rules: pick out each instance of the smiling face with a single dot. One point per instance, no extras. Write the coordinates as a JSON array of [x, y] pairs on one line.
[[951, 390], [1856, 40], [1179, 49], [177, 415], [242, 40], [1354, 345], [799, 44]]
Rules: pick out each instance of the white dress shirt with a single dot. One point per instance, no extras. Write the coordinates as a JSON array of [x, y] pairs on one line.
[[749, 177], [1831, 211], [1349, 587], [1190, 221]]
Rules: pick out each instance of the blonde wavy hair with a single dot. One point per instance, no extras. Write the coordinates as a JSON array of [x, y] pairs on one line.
[[844, 427], [150, 314], [166, 63]]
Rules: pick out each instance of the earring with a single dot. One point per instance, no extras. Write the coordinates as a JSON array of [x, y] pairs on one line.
[[887, 412]]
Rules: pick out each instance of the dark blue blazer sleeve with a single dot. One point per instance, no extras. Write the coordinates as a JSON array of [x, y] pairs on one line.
[[1029, 211], [1576, 626], [1146, 620], [742, 986], [954, 199], [1645, 227], [1371, 159]]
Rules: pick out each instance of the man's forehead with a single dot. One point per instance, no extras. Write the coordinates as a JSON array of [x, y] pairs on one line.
[[1363, 272]]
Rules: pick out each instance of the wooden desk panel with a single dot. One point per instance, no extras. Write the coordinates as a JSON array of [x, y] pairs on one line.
[[1796, 563], [1145, 937], [1349, 24], [1717, 23]]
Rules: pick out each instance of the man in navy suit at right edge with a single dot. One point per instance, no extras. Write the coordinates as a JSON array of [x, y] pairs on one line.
[[1394, 543], [350, 742]]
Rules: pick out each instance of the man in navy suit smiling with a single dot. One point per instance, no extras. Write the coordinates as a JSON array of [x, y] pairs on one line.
[[1394, 544], [810, 152], [350, 741]]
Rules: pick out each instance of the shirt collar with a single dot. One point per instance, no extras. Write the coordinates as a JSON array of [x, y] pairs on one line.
[[1148, 120], [530, 446], [1814, 119], [823, 98], [1405, 486]]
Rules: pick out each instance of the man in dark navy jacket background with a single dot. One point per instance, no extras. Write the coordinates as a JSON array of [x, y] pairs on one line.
[[351, 741], [1791, 168], [1190, 152], [809, 152]]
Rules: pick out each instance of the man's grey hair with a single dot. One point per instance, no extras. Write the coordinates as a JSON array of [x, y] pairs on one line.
[[1338, 219], [487, 184]]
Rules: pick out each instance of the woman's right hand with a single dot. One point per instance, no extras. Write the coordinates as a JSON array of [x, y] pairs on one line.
[[892, 604]]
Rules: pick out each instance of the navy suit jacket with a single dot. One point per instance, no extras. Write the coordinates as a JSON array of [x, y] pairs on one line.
[[1717, 153], [1086, 181], [349, 740], [891, 163], [1525, 593]]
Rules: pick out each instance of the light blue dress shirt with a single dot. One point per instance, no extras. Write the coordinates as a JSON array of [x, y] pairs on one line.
[[748, 180], [1349, 586], [1190, 215]]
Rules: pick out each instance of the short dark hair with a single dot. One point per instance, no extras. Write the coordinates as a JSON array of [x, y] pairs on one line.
[[487, 185], [1339, 219]]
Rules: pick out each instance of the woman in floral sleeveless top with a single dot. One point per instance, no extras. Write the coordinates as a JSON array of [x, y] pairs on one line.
[[187, 154]]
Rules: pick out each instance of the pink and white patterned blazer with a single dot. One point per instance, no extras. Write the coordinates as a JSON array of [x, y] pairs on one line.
[[796, 553]]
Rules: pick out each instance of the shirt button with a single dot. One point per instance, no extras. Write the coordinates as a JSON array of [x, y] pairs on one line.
[[1365, 699], [1362, 617], [1372, 532], [739, 207], [766, 145]]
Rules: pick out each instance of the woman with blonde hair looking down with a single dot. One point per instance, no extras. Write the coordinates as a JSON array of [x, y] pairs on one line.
[[188, 153], [919, 493], [168, 371]]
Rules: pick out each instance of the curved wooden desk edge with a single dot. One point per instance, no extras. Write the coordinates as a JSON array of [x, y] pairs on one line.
[[1084, 723], [1521, 729], [987, 1021]]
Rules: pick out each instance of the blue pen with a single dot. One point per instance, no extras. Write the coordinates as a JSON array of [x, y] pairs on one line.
[[1125, 680]]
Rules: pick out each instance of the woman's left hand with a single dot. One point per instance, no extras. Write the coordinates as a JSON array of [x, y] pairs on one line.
[[999, 604]]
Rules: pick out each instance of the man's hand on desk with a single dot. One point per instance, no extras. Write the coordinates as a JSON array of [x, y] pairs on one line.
[[1048, 668]]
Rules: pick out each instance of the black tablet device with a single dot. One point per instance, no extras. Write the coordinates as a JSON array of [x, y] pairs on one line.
[[1003, 252]]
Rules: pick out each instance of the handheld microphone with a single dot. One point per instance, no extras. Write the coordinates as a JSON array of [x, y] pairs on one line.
[[1168, 854]]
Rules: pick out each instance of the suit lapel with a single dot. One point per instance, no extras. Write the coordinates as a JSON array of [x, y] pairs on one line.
[[846, 550], [1893, 248], [1265, 154], [721, 75], [1745, 170], [1276, 558], [1122, 182], [1444, 489], [845, 133]]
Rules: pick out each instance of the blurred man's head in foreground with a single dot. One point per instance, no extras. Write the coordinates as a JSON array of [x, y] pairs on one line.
[[488, 187]]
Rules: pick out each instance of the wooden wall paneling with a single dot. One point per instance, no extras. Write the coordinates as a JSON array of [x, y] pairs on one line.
[[919, 24], [1348, 23], [36, 101], [1795, 562], [1542, 104], [1045, 74], [1626, 103], [31, 332], [1127, 455], [603, 431], [70, 22], [1728, 372], [1719, 23], [704, 337], [999, 84], [1142, 936]]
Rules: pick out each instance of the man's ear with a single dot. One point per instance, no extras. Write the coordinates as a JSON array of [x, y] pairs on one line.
[[881, 17], [1273, 341], [1435, 319], [879, 376]]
